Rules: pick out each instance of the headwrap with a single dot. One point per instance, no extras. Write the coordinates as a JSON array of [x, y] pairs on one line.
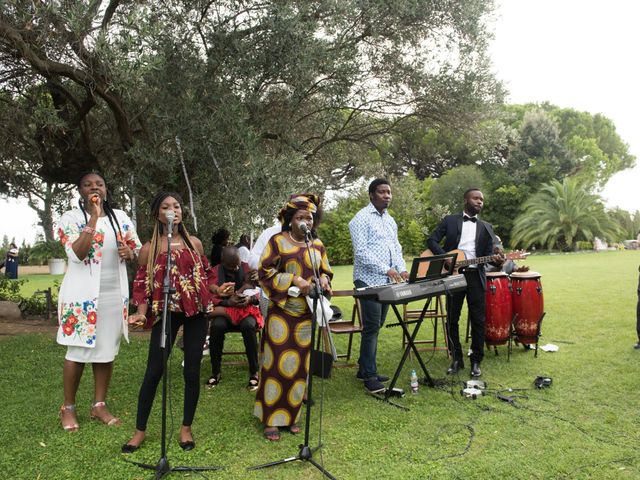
[[300, 201]]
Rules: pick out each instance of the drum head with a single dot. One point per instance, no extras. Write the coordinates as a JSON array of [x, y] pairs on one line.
[[525, 275], [496, 274]]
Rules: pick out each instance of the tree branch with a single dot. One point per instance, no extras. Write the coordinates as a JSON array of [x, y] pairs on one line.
[[47, 68], [108, 13]]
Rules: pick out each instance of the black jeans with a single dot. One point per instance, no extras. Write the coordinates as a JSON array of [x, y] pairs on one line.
[[475, 300], [195, 332], [219, 327]]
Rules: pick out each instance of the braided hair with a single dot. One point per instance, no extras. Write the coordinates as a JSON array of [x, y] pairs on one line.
[[158, 229], [106, 206]]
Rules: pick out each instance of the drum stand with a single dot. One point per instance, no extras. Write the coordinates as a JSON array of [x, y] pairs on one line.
[[513, 337]]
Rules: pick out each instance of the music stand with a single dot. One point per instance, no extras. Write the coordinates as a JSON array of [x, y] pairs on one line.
[[432, 268], [423, 269]]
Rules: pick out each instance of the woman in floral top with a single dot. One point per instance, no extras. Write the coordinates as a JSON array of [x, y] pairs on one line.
[[190, 272], [93, 299]]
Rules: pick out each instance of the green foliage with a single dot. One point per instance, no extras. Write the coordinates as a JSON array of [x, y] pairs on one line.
[[584, 245], [560, 215], [10, 289], [502, 207], [334, 228], [410, 209], [43, 251], [448, 190], [628, 224], [29, 304], [255, 100], [554, 142], [431, 150]]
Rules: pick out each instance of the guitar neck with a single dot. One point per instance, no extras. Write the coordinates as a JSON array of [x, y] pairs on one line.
[[474, 261]]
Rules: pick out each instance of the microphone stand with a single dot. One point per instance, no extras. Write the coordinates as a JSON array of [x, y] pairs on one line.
[[162, 468], [305, 452]]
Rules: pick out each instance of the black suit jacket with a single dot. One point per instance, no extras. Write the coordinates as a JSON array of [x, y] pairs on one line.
[[450, 228]]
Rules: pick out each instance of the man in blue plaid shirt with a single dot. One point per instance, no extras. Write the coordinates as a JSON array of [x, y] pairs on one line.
[[377, 261]]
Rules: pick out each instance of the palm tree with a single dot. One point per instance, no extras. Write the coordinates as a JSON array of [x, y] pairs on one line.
[[560, 215]]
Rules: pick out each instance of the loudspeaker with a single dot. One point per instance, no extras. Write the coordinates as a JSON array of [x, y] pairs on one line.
[[321, 364]]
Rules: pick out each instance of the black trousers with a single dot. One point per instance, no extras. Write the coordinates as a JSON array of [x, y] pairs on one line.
[[475, 300], [219, 328], [195, 332]]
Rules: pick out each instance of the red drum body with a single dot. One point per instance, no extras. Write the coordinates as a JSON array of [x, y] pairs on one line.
[[528, 305], [498, 309]]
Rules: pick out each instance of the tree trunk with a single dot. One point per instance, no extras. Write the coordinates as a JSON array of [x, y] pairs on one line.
[[45, 214]]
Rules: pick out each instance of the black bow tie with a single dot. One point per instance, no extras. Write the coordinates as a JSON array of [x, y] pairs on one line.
[[470, 219]]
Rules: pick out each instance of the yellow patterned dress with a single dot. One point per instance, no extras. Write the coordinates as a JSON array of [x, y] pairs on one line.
[[286, 340]]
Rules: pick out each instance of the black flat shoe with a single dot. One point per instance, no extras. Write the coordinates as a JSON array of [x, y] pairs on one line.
[[128, 448], [455, 367], [475, 370], [188, 445]]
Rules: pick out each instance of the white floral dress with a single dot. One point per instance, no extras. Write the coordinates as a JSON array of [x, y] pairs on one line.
[[94, 295]]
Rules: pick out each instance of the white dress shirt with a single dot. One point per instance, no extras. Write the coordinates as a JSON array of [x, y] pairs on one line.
[[468, 238]]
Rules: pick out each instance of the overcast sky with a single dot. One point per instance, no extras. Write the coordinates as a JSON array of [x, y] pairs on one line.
[[573, 53], [578, 54]]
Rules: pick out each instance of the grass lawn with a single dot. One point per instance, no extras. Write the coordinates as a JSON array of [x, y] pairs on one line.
[[584, 426], [35, 282]]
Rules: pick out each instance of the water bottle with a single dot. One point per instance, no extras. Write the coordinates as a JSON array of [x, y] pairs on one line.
[[414, 382]]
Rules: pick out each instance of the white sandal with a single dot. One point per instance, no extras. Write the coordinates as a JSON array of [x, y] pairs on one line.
[[72, 427], [110, 422]]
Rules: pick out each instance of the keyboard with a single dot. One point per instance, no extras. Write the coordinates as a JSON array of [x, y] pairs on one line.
[[398, 293]]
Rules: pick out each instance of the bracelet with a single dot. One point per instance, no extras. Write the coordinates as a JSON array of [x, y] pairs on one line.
[[89, 230]]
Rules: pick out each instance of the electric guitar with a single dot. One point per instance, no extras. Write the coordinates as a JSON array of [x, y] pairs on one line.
[[462, 261]]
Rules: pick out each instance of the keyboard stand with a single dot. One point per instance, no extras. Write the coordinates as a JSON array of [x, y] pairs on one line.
[[410, 337]]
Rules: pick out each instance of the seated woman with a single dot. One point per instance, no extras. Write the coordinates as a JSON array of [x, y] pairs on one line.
[[234, 311]]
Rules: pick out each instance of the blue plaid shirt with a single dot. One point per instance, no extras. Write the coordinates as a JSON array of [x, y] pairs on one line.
[[376, 249]]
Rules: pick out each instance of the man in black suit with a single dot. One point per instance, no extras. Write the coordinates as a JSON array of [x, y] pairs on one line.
[[466, 232]]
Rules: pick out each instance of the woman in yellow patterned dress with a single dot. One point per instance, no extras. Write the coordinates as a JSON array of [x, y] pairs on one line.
[[286, 347]]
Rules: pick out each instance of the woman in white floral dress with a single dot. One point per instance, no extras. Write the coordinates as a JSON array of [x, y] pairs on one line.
[[94, 295]]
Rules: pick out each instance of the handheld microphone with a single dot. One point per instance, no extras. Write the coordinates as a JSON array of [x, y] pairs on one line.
[[305, 229], [170, 216]]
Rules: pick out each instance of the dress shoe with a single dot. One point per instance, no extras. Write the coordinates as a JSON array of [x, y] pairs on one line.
[[188, 445], [455, 367], [475, 369], [381, 378], [128, 448]]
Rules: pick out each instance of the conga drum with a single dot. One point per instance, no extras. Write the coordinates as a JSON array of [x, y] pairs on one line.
[[528, 305], [498, 309]]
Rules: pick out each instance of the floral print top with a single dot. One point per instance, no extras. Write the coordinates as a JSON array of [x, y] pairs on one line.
[[78, 306], [191, 275]]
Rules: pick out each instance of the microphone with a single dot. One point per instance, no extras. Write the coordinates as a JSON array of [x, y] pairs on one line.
[[305, 229], [170, 216]]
